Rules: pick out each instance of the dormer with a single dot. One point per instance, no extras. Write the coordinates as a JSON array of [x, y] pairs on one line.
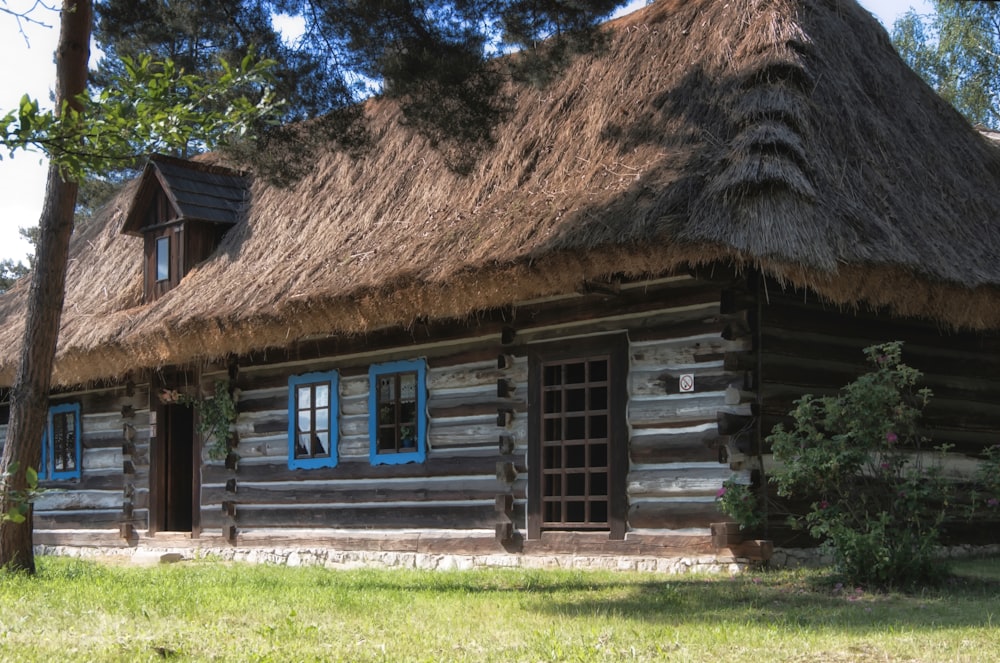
[[181, 210]]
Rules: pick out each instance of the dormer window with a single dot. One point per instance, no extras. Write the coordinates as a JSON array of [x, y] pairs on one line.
[[181, 210]]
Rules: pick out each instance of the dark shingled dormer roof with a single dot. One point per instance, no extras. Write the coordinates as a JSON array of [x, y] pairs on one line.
[[196, 191]]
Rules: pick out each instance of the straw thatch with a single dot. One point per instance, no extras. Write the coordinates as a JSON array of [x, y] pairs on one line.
[[783, 134]]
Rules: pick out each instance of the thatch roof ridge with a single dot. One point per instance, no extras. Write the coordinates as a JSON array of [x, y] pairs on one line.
[[781, 134]]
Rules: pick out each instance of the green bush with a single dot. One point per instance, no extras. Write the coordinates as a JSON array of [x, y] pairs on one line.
[[738, 501], [853, 458]]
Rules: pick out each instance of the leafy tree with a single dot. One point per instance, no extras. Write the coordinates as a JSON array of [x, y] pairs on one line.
[[434, 56], [11, 270], [151, 106], [957, 51]]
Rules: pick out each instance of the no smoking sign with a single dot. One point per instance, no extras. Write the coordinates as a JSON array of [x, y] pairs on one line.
[[687, 383]]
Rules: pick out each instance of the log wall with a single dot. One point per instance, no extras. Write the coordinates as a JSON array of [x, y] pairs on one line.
[[806, 347], [473, 487], [112, 496]]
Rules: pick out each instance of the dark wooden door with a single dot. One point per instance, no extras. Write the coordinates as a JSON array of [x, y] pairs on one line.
[[173, 496]]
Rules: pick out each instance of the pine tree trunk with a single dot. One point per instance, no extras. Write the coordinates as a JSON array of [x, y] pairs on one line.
[[29, 395]]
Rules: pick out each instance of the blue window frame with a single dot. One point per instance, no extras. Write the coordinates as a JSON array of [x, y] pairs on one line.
[[313, 420], [61, 448], [397, 412]]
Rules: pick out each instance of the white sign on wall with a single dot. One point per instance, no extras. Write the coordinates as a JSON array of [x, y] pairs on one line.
[[687, 383]]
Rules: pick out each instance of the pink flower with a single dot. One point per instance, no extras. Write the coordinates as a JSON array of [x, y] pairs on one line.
[[722, 491], [824, 504], [992, 501], [891, 437]]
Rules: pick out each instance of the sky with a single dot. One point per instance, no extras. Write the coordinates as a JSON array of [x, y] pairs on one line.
[[26, 66]]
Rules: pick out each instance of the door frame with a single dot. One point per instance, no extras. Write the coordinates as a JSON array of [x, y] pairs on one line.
[[161, 430]]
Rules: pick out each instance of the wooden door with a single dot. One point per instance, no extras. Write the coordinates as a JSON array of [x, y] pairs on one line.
[[173, 484]]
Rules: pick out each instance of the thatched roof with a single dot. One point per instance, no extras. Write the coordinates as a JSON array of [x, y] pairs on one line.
[[782, 134]]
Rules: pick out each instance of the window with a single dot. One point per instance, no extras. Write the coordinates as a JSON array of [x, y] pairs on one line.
[[313, 416], [163, 258], [397, 423], [577, 440], [61, 443]]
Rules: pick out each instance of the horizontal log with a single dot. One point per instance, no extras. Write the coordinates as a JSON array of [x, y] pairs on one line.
[[697, 446], [262, 401], [108, 480], [388, 517], [715, 323], [788, 322], [58, 500], [652, 412], [335, 493], [102, 459], [666, 381], [673, 514], [264, 446], [454, 434], [791, 314], [432, 467], [102, 538], [692, 482], [111, 399], [474, 377], [411, 541], [635, 544], [105, 439], [83, 519], [682, 351], [758, 550], [457, 407]]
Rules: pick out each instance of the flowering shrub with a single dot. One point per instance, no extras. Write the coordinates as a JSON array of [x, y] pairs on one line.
[[985, 497], [738, 501], [852, 458]]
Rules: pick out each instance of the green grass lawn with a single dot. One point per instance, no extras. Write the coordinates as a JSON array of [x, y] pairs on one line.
[[205, 610]]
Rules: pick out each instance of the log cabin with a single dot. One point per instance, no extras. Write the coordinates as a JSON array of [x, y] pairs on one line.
[[556, 357]]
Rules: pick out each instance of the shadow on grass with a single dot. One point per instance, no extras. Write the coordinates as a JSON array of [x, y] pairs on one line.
[[811, 600]]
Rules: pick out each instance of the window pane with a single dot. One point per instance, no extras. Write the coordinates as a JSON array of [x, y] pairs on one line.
[[553, 402], [598, 427], [322, 395], [63, 442], [408, 387], [576, 373], [576, 428], [162, 258], [386, 392], [305, 422], [322, 418], [302, 445], [576, 400], [305, 398], [599, 370], [320, 444]]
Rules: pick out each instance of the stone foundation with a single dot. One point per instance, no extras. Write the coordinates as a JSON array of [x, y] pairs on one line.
[[339, 559]]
